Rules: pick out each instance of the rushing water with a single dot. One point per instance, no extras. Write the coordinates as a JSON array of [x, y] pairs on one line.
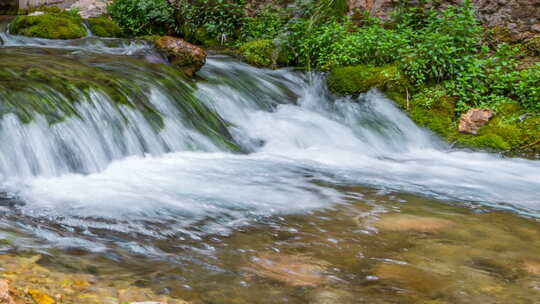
[[232, 147]]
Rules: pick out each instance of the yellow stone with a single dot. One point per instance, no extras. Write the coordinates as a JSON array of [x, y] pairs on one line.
[[40, 297], [404, 222]]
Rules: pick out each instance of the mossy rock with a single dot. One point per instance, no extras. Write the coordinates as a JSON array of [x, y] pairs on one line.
[[259, 53], [361, 78], [103, 26], [506, 131], [63, 25]]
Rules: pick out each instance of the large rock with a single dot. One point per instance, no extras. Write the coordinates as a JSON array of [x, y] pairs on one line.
[[474, 119], [188, 57]]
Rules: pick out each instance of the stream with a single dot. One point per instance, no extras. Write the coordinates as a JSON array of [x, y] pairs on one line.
[[113, 163]]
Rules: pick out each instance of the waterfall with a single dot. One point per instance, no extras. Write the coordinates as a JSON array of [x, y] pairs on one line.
[[99, 135]]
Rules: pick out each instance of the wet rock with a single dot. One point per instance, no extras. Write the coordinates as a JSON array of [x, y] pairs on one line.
[[532, 266], [188, 57], [331, 296], [474, 119], [296, 270], [403, 222], [41, 297], [410, 277], [5, 297]]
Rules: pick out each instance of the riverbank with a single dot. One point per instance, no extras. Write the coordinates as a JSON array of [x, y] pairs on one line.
[[443, 61]]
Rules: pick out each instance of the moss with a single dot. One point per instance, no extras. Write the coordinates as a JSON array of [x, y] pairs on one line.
[[361, 78], [533, 46], [202, 37], [259, 53], [63, 25], [103, 26], [149, 38]]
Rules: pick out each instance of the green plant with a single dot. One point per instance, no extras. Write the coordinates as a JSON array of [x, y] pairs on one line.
[[439, 49], [267, 24], [143, 17], [259, 53], [103, 26], [221, 19]]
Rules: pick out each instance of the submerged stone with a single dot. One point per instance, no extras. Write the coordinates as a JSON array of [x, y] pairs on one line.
[[296, 270], [532, 266], [186, 56], [410, 277], [404, 222], [5, 297]]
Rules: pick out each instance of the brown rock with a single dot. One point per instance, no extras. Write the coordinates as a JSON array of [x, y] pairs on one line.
[[188, 57], [5, 297], [471, 121], [296, 270], [532, 266], [403, 222]]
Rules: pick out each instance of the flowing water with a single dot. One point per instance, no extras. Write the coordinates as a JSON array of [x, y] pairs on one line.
[[106, 150]]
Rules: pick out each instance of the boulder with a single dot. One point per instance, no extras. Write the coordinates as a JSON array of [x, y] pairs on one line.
[[474, 119], [188, 57]]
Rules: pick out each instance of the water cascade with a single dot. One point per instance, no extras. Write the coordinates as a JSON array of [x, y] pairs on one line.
[[103, 143]]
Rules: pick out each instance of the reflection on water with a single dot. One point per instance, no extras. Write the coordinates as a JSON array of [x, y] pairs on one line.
[[378, 248]]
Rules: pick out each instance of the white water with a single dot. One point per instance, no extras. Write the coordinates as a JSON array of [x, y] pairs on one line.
[[176, 182]]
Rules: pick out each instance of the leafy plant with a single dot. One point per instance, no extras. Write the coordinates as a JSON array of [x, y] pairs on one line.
[[143, 17], [267, 24], [221, 19]]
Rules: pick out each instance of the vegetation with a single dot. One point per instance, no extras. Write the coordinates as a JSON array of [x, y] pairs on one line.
[[103, 26], [60, 25], [437, 63], [138, 18], [259, 52]]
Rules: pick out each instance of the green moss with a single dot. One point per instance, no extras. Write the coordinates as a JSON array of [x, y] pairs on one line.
[[361, 78], [149, 38], [533, 46], [202, 37], [63, 25], [103, 26], [259, 53]]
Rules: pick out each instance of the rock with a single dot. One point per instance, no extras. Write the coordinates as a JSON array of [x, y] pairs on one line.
[[532, 266], [295, 270], [40, 297], [410, 277], [403, 222], [37, 13], [5, 297], [471, 121], [188, 57], [90, 8]]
